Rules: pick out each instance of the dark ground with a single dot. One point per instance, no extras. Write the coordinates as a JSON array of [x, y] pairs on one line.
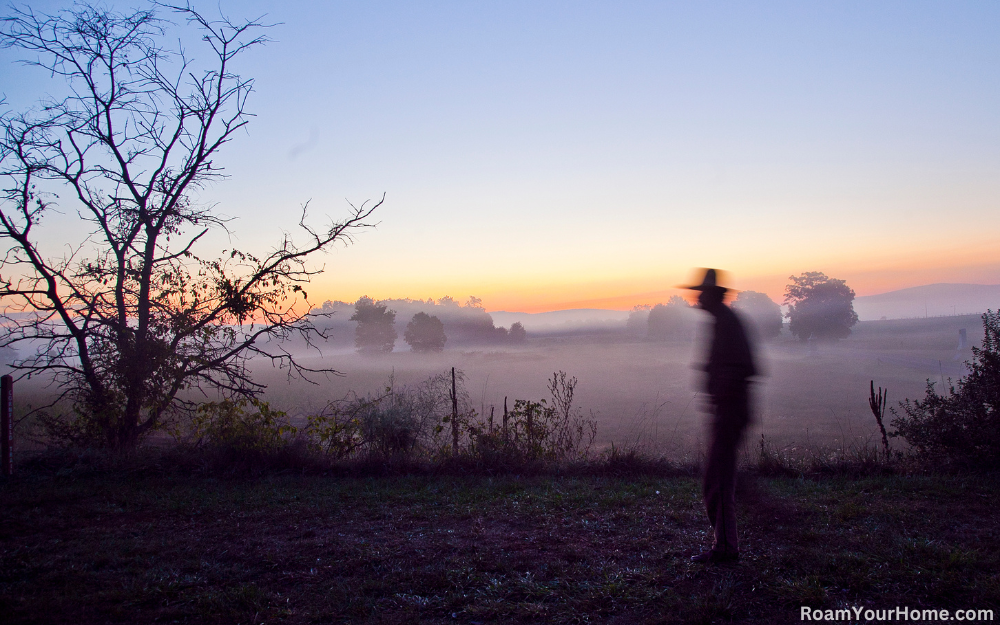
[[147, 547]]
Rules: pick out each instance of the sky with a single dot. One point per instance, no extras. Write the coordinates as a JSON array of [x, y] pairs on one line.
[[555, 155]]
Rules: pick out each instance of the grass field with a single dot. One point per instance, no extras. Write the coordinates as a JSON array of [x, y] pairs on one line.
[[145, 545]]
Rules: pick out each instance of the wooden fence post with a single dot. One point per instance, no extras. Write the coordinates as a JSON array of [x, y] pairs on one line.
[[506, 436], [7, 424], [454, 415]]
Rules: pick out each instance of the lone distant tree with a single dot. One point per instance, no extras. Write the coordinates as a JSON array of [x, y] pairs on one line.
[[819, 306], [425, 333], [376, 331], [128, 313], [517, 333], [667, 321], [764, 312]]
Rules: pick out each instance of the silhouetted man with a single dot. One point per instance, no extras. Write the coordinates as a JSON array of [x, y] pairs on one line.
[[729, 366]]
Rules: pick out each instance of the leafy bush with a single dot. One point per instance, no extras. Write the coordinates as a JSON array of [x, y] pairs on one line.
[[418, 423], [396, 424], [963, 425], [248, 425]]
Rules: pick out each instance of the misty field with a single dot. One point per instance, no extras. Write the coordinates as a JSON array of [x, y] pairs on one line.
[[645, 393]]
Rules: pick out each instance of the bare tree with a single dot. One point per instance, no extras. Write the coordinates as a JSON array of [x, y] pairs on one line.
[[130, 316]]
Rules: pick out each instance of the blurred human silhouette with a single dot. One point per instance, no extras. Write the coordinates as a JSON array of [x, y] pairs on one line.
[[729, 366]]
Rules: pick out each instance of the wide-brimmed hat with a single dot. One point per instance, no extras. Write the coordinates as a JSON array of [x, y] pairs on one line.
[[708, 283]]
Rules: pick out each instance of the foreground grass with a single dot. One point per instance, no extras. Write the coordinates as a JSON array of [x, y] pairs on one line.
[[143, 548]]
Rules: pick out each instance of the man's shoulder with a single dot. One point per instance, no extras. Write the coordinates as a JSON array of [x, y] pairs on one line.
[[730, 315], [736, 323]]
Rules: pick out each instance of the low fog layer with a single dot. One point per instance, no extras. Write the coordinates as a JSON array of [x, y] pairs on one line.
[[645, 392]]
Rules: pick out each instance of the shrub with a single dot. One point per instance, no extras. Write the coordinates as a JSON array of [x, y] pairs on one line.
[[396, 424], [391, 427], [963, 425], [242, 426], [417, 423]]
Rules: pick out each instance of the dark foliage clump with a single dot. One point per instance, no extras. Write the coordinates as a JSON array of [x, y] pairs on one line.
[[425, 333], [961, 426]]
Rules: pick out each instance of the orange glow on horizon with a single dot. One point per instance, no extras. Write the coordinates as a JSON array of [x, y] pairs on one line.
[[537, 294]]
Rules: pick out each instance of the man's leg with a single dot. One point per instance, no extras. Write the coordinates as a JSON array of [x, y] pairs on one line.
[[731, 418], [722, 501]]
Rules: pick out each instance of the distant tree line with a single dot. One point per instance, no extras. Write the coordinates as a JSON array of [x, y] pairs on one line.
[[425, 325], [818, 307]]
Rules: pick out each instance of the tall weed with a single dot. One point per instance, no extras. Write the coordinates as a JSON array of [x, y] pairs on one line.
[[536, 430]]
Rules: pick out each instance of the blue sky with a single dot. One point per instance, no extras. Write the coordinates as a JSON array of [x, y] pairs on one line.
[[545, 155]]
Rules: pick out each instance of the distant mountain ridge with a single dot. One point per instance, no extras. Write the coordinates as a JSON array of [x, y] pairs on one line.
[[930, 300]]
